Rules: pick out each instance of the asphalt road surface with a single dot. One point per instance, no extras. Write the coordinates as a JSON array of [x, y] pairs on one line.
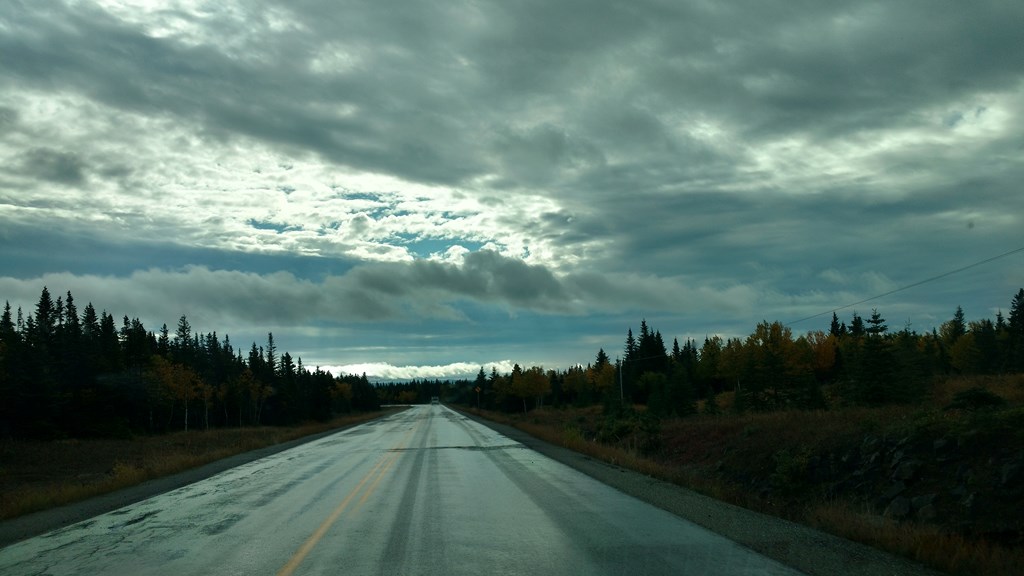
[[424, 491]]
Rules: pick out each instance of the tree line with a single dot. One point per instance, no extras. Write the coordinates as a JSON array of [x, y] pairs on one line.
[[68, 374], [65, 373], [862, 362]]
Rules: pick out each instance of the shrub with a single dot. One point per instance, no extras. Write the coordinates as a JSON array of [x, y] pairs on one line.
[[976, 398]]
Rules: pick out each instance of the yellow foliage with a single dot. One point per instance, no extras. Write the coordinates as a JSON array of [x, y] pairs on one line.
[[342, 390]]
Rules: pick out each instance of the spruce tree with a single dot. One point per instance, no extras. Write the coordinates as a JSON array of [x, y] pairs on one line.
[[1015, 326]]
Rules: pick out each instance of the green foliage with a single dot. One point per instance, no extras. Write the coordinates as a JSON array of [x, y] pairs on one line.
[[65, 373], [640, 431], [790, 469], [711, 406], [974, 399]]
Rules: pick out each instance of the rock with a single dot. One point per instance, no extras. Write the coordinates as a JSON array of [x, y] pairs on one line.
[[1011, 473], [898, 508], [970, 502], [894, 490], [943, 449], [961, 471], [848, 459], [897, 457], [872, 460], [966, 439], [927, 513], [907, 470], [920, 502], [870, 443]]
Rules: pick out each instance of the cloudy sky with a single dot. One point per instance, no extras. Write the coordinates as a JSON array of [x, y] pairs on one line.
[[422, 188]]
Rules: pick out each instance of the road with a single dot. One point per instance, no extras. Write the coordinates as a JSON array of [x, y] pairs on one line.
[[425, 491]]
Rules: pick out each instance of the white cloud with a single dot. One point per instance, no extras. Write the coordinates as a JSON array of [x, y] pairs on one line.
[[385, 371]]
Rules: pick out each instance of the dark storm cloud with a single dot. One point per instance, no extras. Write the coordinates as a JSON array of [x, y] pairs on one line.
[[52, 165], [441, 94], [274, 97], [485, 276]]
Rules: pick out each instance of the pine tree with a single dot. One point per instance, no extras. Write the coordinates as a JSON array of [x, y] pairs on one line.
[[954, 329], [1015, 327], [10, 344], [835, 328], [877, 383], [631, 347], [182, 346], [8, 332], [109, 344], [271, 355], [45, 322], [856, 326]]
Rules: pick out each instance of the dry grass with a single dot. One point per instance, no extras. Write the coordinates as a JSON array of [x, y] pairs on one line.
[[40, 475], [1009, 387], [929, 545]]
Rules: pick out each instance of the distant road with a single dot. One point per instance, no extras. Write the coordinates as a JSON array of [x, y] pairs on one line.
[[425, 491]]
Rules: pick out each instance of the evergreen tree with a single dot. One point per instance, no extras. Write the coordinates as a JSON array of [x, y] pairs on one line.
[[876, 383], [1015, 327], [72, 326], [271, 356], [45, 321], [163, 343], [709, 377], [986, 342], [856, 326], [109, 345], [954, 329], [91, 324], [10, 344], [835, 328], [8, 332], [876, 324], [182, 346], [631, 347]]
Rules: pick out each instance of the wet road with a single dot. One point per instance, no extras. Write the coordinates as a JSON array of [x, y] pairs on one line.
[[424, 491]]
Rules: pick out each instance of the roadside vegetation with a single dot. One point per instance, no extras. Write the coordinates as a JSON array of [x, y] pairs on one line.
[[65, 374], [89, 407], [953, 472], [40, 474]]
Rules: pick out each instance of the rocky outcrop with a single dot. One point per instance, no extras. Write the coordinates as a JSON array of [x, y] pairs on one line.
[[961, 482]]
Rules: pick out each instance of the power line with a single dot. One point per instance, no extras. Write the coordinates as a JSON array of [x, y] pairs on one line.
[[909, 286]]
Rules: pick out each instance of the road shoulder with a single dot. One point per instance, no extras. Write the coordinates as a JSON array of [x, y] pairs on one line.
[[30, 525], [812, 551]]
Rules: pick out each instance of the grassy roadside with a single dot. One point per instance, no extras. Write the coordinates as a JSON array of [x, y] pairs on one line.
[[38, 475], [834, 470]]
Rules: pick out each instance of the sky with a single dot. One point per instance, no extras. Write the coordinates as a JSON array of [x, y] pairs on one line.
[[420, 189]]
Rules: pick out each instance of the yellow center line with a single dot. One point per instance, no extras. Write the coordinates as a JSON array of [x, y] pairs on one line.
[[369, 490], [377, 473]]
